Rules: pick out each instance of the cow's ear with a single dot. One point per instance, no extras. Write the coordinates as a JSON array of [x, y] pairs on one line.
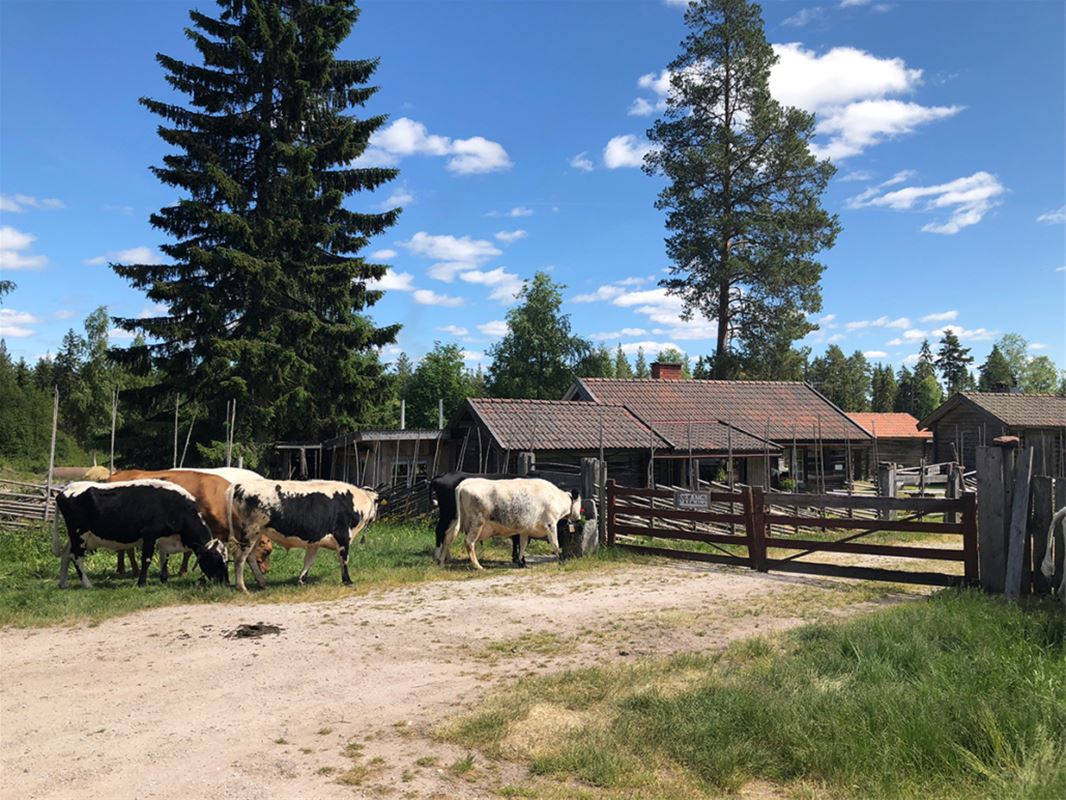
[[574, 494]]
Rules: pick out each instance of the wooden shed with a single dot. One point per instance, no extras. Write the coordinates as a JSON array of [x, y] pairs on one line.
[[898, 438], [968, 419]]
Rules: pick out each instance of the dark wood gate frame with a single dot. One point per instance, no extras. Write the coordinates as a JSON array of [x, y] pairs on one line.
[[755, 518]]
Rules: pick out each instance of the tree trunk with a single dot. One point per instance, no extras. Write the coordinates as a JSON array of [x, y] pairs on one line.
[[720, 368]]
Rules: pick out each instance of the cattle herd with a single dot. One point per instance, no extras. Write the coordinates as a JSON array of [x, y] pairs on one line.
[[226, 514]]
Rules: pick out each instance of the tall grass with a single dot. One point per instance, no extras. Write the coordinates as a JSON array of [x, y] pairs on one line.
[[394, 554], [958, 696]]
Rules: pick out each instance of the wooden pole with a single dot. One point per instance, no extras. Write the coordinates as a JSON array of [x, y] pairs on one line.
[[436, 452], [52, 451], [1019, 520], [440, 412], [114, 420], [174, 461], [188, 436], [877, 459], [480, 464]]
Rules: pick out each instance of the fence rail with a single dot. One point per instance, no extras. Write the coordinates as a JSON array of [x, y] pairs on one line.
[[760, 522], [23, 505]]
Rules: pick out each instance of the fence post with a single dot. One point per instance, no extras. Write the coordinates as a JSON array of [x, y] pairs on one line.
[[52, 453], [526, 463], [991, 513], [755, 503], [969, 538], [1038, 527], [1016, 544], [601, 494], [886, 485], [610, 511]]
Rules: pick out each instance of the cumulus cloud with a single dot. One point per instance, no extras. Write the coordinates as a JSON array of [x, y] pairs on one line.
[[1056, 217], [473, 355], [505, 285], [394, 281], [455, 253], [1037, 346], [880, 322], [520, 211], [427, 297], [13, 324], [383, 255], [606, 336], [967, 334], [966, 201], [625, 151], [509, 237], [14, 250], [17, 203], [606, 292], [120, 335], [941, 316], [496, 328], [454, 330], [582, 162], [650, 347], [854, 94], [638, 108], [400, 196], [406, 137], [805, 17], [132, 255], [875, 353]]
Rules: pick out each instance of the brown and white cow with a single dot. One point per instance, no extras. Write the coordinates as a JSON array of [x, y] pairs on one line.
[[1048, 565], [307, 514], [529, 507]]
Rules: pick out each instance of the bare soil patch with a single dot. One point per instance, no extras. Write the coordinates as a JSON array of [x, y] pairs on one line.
[[342, 699]]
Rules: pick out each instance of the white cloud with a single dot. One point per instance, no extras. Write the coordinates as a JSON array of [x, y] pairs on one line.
[[651, 348], [406, 137], [394, 281], [427, 297], [967, 334], [520, 211], [607, 292], [456, 253], [13, 324], [639, 108], [1060, 269], [383, 255], [875, 354], [400, 196], [14, 245], [620, 334], [804, 17], [851, 91], [942, 316], [17, 203], [132, 255], [1037, 346], [496, 327], [880, 322], [153, 310], [911, 359], [120, 335], [582, 162], [849, 3], [966, 200], [454, 330], [914, 335], [509, 237], [625, 151], [856, 175], [505, 285], [472, 355], [1056, 217], [63, 313]]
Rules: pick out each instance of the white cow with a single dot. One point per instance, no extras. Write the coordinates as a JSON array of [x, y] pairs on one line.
[[1048, 565], [525, 506]]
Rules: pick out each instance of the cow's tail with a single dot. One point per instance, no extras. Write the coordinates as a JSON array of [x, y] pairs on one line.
[[57, 549], [229, 514], [451, 531], [1048, 566]]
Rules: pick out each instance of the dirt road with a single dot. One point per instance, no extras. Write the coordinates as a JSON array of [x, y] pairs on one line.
[[162, 705]]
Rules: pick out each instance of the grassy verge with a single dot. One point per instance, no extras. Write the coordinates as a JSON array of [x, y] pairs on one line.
[[957, 696], [395, 554]]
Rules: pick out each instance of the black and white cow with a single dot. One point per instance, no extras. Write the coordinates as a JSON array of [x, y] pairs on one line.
[[307, 514], [443, 488], [529, 507], [1048, 565], [142, 513]]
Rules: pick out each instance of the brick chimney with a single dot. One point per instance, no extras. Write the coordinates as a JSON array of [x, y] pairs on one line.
[[662, 371]]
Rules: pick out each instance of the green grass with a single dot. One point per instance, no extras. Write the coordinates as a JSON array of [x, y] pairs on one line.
[[395, 554], [958, 696]]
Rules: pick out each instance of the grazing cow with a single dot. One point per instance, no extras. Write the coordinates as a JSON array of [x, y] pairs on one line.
[[307, 514], [208, 487], [1048, 565], [146, 513], [527, 506], [443, 488]]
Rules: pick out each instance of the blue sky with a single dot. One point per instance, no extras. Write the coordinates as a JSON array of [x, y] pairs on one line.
[[518, 128]]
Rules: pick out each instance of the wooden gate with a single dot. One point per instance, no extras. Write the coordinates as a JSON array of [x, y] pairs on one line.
[[772, 532]]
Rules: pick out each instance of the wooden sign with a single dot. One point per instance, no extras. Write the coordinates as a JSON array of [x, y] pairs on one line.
[[692, 501]]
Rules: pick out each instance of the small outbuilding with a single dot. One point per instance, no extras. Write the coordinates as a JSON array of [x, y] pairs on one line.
[[897, 439]]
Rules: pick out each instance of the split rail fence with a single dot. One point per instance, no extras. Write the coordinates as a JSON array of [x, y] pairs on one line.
[[768, 532]]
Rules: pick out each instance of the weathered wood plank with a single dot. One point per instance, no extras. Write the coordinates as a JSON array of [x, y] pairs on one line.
[[691, 536], [688, 555], [899, 551], [865, 524], [991, 516], [864, 573], [1019, 520], [671, 513], [1039, 520]]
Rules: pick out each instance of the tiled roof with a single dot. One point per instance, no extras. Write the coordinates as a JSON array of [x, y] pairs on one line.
[[561, 425], [1015, 410], [791, 409], [558, 425], [890, 424]]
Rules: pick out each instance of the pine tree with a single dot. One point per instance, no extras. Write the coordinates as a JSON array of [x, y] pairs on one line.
[[905, 388], [845, 381], [883, 388], [640, 368], [536, 358], [953, 360], [264, 291], [742, 199], [621, 364], [995, 372]]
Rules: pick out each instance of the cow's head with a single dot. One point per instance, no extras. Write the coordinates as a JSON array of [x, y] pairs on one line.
[[262, 554], [574, 514], [212, 561]]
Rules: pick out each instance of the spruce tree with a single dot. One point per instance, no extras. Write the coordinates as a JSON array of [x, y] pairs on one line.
[[953, 360], [264, 289], [596, 363], [995, 372], [883, 389], [640, 369], [621, 364], [904, 391], [742, 195]]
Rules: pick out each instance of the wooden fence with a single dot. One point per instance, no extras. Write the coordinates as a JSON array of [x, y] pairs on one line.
[[25, 504], [748, 527]]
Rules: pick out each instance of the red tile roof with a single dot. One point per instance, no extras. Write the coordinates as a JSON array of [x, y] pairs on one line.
[[890, 424], [790, 409]]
